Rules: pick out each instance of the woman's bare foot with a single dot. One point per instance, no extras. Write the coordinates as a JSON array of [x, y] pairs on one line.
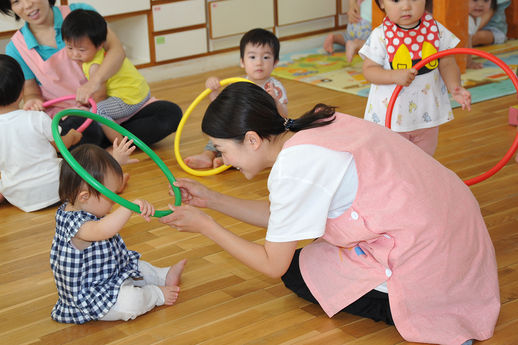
[[352, 47], [170, 294], [175, 272], [200, 161]]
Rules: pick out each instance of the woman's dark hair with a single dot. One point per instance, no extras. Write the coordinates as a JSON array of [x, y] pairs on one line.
[[428, 5], [260, 37], [96, 161], [494, 5], [244, 106], [11, 80], [84, 23], [5, 8]]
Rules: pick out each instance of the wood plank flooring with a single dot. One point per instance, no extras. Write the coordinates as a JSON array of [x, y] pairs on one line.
[[222, 301]]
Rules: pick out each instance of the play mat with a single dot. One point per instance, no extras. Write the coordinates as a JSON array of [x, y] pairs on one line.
[[333, 72]]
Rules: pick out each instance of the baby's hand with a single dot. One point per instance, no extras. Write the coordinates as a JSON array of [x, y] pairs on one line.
[[34, 104], [275, 92], [463, 97], [212, 83], [146, 209], [404, 77], [75, 135], [123, 150]]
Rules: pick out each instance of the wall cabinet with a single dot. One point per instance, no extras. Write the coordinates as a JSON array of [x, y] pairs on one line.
[[156, 32]]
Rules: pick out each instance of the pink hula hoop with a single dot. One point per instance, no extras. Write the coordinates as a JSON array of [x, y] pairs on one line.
[[485, 55], [69, 97]]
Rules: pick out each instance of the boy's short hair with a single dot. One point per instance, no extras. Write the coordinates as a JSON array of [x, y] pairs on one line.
[[11, 80], [96, 161], [84, 23], [428, 5], [6, 8], [260, 37]]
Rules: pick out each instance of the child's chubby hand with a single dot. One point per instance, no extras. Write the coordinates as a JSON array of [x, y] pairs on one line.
[[122, 151], [275, 92], [463, 97], [146, 209], [404, 77], [34, 104], [75, 135], [212, 83]]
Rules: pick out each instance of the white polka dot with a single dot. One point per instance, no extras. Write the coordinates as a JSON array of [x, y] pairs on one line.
[[420, 39], [412, 55], [400, 34], [407, 40], [415, 47], [436, 43], [396, 41], [412, 33], [430, 37], [390, 34], [434, 28], [390, 49], [420, 54], [427, 24], [423, 30], [385, 28], [428, 17]]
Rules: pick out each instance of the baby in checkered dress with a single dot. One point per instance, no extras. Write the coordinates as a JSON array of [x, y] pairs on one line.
[[96, 276]]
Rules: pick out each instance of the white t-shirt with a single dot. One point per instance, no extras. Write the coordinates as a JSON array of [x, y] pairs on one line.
[[28, 162], [307, 185]]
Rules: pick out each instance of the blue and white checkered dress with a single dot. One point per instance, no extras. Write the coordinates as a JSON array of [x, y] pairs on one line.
[[88, 281]]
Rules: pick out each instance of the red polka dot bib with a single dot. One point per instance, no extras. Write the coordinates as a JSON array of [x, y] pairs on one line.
[[406, 47]]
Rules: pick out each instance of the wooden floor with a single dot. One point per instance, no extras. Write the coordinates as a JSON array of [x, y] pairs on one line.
[[222, 301]]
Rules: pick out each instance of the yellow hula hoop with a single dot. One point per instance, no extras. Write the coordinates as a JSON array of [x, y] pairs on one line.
[[179, 130]]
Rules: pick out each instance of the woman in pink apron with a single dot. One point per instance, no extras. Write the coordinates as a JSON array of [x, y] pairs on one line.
[[39, 49], [400, 238]]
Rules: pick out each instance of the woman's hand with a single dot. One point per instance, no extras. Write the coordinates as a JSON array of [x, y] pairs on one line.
[[34, 104], [193, 193], [123, 150], [188, 218], [146, 209], [353, 14]]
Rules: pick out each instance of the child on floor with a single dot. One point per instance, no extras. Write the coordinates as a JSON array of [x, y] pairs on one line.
[[259, 50], [493, 26], [407, 35], [96, 276], [29, 165], [477, 10], [357, 31], [126, 92]]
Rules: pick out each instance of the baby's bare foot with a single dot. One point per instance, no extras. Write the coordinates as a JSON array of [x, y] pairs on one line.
[[175, 272], [328, 44], [351, 48], [201, 161], [170, 294]]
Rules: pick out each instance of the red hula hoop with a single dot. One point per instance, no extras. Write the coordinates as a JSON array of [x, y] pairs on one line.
[[485, 55]]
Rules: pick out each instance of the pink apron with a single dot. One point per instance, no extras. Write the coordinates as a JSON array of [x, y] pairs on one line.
[[420, 231], [58, 76]]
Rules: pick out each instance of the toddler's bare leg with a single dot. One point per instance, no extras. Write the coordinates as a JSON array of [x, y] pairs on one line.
[[352, 47], [174, 274]]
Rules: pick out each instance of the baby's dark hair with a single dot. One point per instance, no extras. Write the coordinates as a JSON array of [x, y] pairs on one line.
[[260, 37], [428, 5], [96, 161], [6, 8], [84, 23], [11, 80]]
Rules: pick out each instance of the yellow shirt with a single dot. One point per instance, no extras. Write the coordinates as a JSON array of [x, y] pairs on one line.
[[127, 84]]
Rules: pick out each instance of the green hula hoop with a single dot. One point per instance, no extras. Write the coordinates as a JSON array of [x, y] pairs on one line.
[[91, 180]]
